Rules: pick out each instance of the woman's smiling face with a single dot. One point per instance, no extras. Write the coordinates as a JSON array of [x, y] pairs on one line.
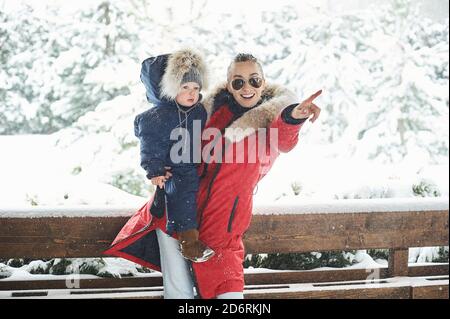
[[248, 95]]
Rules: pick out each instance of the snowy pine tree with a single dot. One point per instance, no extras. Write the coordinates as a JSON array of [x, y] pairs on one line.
[[22, 91], [412, 89], [385, 78], [59, 69]]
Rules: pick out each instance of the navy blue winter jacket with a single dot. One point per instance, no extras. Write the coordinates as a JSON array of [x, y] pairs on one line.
[[154, 126]]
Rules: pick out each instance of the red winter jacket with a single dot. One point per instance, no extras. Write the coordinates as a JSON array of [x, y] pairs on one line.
[[233, 163]]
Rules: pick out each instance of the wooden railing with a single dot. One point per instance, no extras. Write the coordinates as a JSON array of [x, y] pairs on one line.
[[339, 225]]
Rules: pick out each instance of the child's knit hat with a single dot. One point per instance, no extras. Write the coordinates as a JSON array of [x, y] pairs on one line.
[[183, 66], [193, 75]]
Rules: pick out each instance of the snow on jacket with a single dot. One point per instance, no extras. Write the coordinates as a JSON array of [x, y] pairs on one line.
[[224, 198]]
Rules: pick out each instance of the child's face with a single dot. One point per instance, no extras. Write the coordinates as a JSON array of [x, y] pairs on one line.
[[188, 94]]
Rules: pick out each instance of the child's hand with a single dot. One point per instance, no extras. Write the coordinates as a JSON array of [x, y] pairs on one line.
[[159, 181], [168, 173]]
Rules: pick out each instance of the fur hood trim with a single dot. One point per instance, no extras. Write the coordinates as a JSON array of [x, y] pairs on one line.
[[275, 99]]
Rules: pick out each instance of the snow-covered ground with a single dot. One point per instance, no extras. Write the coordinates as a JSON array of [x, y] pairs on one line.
[[311, 171], [35, 172]]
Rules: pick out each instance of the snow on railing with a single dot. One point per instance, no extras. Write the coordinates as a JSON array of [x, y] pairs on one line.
[[302, 207], [357, 206]]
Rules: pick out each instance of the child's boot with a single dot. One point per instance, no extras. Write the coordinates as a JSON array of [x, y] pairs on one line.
[[192, 248]]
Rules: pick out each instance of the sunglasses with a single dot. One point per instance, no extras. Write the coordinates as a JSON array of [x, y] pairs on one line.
[[238, 84]]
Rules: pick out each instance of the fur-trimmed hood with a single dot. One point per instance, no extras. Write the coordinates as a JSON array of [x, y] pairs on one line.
[[178, 64], [274, 99], [162, 74]]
